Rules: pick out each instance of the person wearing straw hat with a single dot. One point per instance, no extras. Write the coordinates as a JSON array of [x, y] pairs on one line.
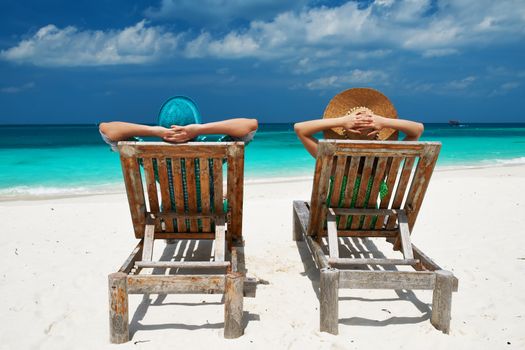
[[179, 121], [358, 113]]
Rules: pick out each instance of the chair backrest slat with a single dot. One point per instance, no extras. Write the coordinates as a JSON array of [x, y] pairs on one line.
[[401, 190], [178, 189], [363, 189], [370, 175], [189, 178], [151, 186], [338, 181], [378, 176], [217, 186], [392, 174], [191, 190], [162, 166], [205, 195], [350, 182]]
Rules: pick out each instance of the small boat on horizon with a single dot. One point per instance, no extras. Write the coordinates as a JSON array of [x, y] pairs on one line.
[[453, 122]]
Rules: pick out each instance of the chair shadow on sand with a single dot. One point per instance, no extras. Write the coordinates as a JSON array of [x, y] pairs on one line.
[[350, 247], [183, 250]]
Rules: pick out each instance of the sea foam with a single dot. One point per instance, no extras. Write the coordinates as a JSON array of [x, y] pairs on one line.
[[512, 161], [46, 192]]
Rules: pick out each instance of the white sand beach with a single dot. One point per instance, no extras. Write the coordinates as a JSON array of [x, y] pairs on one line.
[[56, 255]]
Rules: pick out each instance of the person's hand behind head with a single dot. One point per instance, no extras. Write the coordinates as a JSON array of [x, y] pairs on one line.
[[350, 122], [179, 134], [369, 123], [160, 131]]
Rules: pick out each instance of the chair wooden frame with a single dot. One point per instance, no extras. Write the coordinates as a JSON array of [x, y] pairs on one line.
[[405, 168], [165, 204]]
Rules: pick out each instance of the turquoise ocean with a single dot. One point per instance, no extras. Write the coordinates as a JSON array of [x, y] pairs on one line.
[[42, 161]]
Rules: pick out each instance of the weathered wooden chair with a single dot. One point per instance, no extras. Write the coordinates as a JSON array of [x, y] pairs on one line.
[[346, 202], [190, 206]]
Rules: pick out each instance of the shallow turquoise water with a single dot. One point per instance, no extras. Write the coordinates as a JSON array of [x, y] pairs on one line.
[[61, 159]]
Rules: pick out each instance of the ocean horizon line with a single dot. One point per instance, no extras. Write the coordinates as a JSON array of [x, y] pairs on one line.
[[260, 122]]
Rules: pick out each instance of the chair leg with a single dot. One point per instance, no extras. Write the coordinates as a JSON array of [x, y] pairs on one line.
[[118, 308], [442, 301], [233, 305], [329, 295]]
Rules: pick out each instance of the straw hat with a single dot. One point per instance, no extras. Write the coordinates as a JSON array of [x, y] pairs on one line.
[[355, 100]]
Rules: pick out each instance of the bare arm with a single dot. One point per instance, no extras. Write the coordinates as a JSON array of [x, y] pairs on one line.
[[305, 130], [120, 131], [358, 123], [412, 130], [233, 127]]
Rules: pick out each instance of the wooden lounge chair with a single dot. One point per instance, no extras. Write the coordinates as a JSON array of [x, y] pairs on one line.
[[349, 176], [176, 192]]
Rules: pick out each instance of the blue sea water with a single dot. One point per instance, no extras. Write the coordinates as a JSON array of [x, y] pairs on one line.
[[47, 160]]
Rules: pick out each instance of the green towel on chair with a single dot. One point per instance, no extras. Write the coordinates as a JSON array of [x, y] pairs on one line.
[[383, 191]]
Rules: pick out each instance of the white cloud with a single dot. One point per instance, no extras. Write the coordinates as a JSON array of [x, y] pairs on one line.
[[304, 39], [356, 76], [505, 88], [289, 34], [17, 89], [511, 85], [232, 45], [461, 84], [439, 52], [420, 87], [335, 59], [413, 25], [52, 46]]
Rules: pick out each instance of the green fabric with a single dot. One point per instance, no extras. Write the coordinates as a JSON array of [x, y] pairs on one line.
[[383, 191]]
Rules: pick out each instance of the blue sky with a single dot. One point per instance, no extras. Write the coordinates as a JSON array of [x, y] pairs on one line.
[[280, 61]]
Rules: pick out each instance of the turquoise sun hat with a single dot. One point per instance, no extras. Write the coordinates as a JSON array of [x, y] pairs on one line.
[[182, 110], [179, 110]]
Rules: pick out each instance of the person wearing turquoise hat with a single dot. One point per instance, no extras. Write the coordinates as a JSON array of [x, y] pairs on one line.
[[179, 121]]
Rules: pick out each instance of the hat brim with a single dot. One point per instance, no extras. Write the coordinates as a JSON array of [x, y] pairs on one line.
[[372, 99]]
